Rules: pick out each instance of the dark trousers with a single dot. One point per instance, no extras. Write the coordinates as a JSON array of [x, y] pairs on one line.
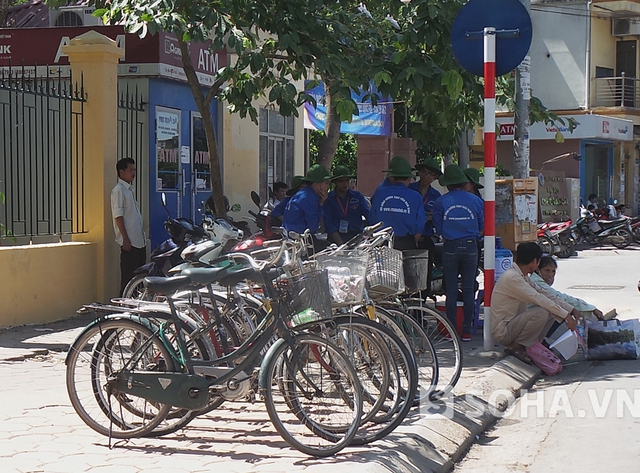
[[407, 242], [460, 257], [129, 262]]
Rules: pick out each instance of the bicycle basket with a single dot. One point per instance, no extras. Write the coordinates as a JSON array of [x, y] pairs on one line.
[[347, 272], [385, 274], [305, 298], [416, 269]]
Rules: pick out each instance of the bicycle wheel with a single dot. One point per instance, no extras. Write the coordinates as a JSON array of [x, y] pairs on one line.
[[415, 337], [178, 418], [372, 361], [403, 383], [98, 353], [135, 289], [446, 344], [318, 407]]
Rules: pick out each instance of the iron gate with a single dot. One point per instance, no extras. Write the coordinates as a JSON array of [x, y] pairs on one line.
[[42, 147]]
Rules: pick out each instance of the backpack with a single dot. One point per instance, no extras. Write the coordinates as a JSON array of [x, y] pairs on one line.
[[544, 359]]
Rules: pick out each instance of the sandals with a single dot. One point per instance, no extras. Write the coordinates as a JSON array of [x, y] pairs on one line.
[[519, 354]]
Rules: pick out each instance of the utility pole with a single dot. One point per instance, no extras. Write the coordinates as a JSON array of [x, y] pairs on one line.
[[521, 118]]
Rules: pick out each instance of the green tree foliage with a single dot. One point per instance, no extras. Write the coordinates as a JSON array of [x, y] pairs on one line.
[[346, 153]]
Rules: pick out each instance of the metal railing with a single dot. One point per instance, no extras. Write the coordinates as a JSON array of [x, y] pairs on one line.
[[617, 92], [42, 150]]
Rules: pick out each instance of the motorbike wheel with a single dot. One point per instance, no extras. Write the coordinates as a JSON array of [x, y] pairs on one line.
[[135, 288], [567, 249], [621, 238], [636, 234], [546, 244]]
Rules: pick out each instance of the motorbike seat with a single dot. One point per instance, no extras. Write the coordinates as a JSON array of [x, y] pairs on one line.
[[166, 285], [204, 276], [611, 222]]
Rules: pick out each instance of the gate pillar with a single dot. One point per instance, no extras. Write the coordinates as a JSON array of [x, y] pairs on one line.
[[95, 57]]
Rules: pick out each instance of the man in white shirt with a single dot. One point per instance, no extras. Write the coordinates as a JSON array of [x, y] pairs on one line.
[[127, 222]]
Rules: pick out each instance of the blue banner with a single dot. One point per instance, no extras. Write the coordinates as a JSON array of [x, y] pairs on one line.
[[372, 120]]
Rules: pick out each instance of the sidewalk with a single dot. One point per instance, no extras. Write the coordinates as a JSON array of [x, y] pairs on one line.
[[41, 432]]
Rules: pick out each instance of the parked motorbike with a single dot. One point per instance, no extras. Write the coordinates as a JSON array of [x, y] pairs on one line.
[[593, 231], [187, 242], [555, 238], [263, 222], [635, 228]]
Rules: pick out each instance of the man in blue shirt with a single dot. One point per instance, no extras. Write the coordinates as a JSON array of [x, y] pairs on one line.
[[398, 206], [296, 184], [458, 216], [344, 208], [304, 209], [428, 171]]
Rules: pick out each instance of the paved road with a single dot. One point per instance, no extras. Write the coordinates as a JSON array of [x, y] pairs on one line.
[[587, 419], [40, 432]]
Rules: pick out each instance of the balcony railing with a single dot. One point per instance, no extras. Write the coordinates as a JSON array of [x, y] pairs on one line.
[[617, 92]]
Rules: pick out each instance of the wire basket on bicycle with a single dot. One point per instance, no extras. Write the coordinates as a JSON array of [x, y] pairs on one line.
[[347, 271], [305, 298]]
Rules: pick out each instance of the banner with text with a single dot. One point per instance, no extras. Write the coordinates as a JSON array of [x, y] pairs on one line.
[[372, 120]]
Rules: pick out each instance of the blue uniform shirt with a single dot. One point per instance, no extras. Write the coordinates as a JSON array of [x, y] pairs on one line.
[[352, 208], [427, 200], [399, 207], [278, 210], [303, 212], [458, 214]]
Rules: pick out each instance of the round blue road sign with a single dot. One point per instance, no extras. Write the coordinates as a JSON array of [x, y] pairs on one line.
[[513, 34]]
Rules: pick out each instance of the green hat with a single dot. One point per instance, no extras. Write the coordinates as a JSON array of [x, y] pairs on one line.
[[474, 176], [317, 173], [399, 167], [431, 165], [295, 185], [453, 175], [340, 172]]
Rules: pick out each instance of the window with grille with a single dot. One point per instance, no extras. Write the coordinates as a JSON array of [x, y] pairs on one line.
[[276, 149]]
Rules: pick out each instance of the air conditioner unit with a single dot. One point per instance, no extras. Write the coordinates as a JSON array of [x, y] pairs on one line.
[[73, 16], [625, 27]]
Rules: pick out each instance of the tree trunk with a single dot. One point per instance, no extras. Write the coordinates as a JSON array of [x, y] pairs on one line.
[[203, 103], [329, 142], [4, 9]]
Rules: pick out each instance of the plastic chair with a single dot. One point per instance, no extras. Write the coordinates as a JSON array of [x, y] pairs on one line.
[[477, 322]]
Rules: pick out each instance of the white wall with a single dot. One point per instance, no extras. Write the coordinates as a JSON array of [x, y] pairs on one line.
[[558, 54]]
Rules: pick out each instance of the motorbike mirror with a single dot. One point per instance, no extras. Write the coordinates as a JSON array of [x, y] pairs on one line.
[[163, 197], [255, 198], [236, 208]]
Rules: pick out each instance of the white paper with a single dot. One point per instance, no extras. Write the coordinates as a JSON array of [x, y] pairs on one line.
[[566, 344]]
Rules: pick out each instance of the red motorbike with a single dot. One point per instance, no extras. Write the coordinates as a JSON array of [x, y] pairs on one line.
[[555, 238]]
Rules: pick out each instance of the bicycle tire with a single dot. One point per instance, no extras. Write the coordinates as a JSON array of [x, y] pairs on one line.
[[89, 365], [302, 429], [423, 351], [402, 392], [446, 344], [372, 361]]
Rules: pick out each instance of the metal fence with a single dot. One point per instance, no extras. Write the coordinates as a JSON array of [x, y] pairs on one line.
[[617, 92], [42, 147], [132, 132]]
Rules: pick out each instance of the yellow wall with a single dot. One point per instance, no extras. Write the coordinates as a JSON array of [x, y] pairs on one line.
[[43, 283], [241, 150]]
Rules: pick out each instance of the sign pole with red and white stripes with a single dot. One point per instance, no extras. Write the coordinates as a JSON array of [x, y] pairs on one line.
[[489, 178]]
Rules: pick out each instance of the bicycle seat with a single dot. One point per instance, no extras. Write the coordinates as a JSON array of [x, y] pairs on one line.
[[166, 285], [204, 276]]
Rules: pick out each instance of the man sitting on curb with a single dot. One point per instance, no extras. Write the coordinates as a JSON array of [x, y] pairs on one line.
[[512, 324]]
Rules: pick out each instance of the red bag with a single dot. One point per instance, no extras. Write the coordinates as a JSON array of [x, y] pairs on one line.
[[544, 359]]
